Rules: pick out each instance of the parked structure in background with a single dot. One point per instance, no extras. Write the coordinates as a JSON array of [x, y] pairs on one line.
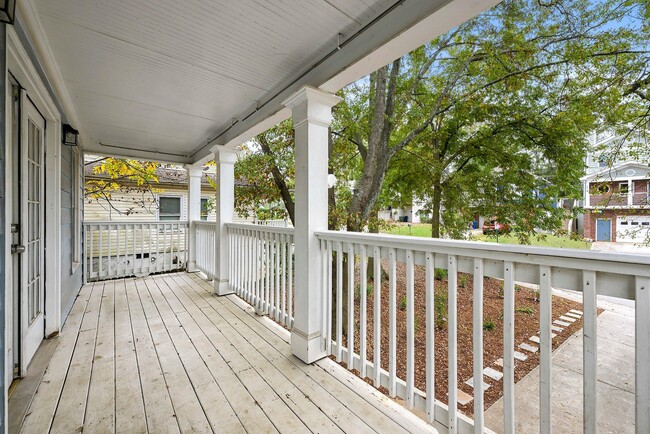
[[406, 213], [617, 189]]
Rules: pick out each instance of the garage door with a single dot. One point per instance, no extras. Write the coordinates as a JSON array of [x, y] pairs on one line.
[[633, 229]]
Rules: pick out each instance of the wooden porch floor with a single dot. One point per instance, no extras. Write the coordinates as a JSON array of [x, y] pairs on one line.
[[161, 354]]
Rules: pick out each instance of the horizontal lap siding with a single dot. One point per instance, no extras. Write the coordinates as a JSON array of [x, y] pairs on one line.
[[70, 281]]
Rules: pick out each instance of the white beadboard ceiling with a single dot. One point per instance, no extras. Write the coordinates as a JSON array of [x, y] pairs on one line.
[[168, 76]]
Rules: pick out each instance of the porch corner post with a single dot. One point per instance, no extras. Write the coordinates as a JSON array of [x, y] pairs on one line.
[[194, 174], [312, 115], [225, 160]]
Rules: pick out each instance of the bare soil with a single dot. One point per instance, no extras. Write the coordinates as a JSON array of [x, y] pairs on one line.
[[526, 325]]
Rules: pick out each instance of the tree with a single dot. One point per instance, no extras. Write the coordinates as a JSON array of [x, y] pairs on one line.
[[120, 175], [491, 117]]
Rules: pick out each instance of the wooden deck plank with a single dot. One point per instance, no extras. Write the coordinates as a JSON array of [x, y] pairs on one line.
[[43, 406], [162, 354], [160, 416], [70, 413], [188, 411], [215, 405], [250, 413], [129, 405], [381, 412], [299, 401], [266, 397], [100, 407]]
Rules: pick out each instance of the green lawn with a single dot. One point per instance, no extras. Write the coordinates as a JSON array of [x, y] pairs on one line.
[[424, 230]]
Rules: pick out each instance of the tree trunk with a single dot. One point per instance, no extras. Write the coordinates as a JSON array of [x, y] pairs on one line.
[[435, 209], [279, 182]]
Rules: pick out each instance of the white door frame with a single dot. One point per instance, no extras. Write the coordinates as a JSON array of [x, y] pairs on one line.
[[21, 67]]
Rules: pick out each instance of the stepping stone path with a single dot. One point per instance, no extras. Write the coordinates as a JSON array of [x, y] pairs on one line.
[[492, 373], [529, 348], [564, 321], [470, 383]]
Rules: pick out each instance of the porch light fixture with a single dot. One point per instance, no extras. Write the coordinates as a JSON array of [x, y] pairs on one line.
[[7, 11], [69, 135]]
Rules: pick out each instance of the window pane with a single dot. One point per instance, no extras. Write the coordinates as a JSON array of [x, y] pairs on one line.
[[170, 205], [204, 209]]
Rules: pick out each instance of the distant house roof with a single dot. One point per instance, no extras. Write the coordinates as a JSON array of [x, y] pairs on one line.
[[640, 171]]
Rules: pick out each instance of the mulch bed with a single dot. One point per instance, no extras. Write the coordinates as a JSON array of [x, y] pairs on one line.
[[526, 325]]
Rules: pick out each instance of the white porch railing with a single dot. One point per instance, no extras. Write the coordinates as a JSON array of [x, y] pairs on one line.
[[592, 273], [261, 268], [119, 249], [206, 235], [278, 223]]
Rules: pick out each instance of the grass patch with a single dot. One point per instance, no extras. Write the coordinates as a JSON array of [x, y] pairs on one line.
[[528, 310], [555, 241]]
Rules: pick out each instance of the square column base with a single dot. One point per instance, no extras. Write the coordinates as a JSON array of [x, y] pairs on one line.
[[222, 287], [191, 267], [307, 349]]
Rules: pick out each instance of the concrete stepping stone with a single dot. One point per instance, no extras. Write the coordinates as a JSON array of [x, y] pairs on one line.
[[463, 398], [493, 373], [562, 323], [499, 362], [579, 312], [470, 383], [567, 318], [519, 356], [557, 329], [534, 339], [529, 348], [573, 315]]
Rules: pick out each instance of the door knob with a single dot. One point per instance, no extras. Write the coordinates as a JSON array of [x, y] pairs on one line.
[[17, 248]]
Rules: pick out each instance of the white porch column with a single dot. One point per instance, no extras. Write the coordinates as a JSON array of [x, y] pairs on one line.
[[225, 160], [312, 115], [630, 192], [194, 174]]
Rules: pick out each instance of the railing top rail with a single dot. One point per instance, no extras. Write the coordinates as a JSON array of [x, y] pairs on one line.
[[566, 258], [261, 228], [133, 222], [204, 223]]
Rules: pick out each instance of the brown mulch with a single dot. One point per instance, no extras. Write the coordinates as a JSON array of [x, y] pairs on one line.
[[526, 325]]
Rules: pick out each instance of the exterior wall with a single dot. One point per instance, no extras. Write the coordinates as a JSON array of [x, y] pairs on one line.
[[615, 198], [641, 193], [71, 270], [611, 214]]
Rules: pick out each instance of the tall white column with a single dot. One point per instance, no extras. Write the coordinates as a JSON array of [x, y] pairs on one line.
[[312, 115], [194, 174], [630, 192], [225, 160]]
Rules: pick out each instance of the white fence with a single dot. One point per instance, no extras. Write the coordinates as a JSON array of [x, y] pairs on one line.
[[206, 236], [592, 273], [261, 268], [119, 249]]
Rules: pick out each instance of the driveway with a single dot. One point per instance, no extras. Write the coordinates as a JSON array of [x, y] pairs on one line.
[[615, 378], [605, 246]]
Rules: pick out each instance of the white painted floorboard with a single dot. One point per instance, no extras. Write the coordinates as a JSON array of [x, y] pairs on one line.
[[161, 354]]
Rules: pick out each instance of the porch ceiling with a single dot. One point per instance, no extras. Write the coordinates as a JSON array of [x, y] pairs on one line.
[[170, 77]]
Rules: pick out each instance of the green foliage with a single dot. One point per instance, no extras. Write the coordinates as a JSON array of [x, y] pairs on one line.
[[488, 325], [528, 310], [500, 291], [440, 309], [463, 280], [440, 273], [402, 303]]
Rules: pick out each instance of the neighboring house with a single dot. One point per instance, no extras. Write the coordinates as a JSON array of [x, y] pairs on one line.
[[167, 199], [617, 192], [405, 213]]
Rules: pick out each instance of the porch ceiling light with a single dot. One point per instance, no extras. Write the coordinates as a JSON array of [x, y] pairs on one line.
[[69, 135], [7, 11]]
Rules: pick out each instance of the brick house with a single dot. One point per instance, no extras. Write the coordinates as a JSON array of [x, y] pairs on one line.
[[617, 203]]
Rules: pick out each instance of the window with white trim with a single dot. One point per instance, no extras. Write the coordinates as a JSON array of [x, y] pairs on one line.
[[205, 210], [170, 208]]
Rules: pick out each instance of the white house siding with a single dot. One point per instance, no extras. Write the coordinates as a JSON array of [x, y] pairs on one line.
[[71, 275]]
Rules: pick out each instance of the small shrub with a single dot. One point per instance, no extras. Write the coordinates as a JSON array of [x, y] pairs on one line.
[[536, 295], [518, 288], [357, 290], [440, 310], [463, 280], [501, 293], [440, 273], [402, 303], [488, 325], [528, 310]]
